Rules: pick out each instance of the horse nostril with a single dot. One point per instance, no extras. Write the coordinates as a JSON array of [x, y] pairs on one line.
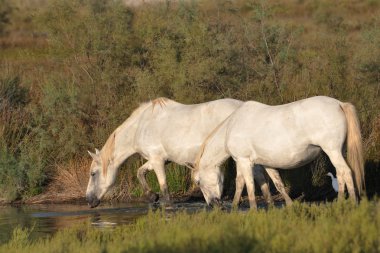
[[92, 201]]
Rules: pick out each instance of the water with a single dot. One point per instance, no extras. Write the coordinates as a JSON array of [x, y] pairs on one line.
[[45, 220]]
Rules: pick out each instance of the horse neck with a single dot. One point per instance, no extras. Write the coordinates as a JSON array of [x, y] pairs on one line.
[[213, 151], [122, 145]]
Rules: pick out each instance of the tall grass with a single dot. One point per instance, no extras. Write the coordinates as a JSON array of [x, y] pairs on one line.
[[336, 227], [87, 64]]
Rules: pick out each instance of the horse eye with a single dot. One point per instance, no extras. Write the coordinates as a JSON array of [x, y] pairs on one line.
[[92, 174]]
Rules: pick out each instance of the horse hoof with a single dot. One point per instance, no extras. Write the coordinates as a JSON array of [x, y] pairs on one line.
[[167, 204], [152, 197], [235, 206], [217, 203]]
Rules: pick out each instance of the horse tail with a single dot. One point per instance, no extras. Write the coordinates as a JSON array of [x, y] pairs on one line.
[[354, 145]]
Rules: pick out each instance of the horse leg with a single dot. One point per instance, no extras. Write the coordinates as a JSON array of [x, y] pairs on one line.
[[258, 172], [245, 168], [343, 174], [275, 176], [239, 188], [141, 176], [159, 169]]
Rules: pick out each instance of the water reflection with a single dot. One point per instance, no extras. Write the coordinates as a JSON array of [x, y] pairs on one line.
[[47, 219]]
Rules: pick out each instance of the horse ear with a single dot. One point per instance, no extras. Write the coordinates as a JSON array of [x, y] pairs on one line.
[[189, 165], [94, 156], [97, 151]]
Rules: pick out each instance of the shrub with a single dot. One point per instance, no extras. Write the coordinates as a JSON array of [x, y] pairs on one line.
[[5, 11]]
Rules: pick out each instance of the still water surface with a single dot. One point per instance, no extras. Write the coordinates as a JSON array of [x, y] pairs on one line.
[[45, 220]]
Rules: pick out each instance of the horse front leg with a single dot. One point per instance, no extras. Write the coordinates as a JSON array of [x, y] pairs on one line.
[[245, 167], [141, 176], [159, 169]]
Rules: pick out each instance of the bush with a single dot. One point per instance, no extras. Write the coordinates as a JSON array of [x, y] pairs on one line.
[[5, 11]]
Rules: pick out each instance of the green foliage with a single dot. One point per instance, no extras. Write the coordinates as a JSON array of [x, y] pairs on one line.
[[5, 11], [13, 99], [12, 176], [12, 94], [20, 237], [337, 227], [60, 104], [20, 174]]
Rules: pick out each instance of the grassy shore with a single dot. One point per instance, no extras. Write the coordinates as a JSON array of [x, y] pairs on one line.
[[332, 227]]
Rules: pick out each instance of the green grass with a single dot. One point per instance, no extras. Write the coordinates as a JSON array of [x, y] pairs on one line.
[[333, 227]]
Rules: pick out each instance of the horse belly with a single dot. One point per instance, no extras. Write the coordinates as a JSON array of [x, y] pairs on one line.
[[287, 160], [183, 156], [181, 144]]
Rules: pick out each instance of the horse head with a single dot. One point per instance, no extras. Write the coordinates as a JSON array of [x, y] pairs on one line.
[[211, 184], [102, 177]]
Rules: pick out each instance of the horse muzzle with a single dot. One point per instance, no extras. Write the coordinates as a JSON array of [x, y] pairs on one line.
[[93, 201]]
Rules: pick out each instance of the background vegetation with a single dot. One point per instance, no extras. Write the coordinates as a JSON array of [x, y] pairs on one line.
[[337, 227], [72, 71]]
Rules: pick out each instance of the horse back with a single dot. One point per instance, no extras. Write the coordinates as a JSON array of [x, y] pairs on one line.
[[175, 131], [266, 131]]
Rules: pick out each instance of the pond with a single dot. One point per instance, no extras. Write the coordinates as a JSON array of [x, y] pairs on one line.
[[47, 219]]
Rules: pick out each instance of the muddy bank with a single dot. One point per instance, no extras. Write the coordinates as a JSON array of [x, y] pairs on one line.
[[62, 198]]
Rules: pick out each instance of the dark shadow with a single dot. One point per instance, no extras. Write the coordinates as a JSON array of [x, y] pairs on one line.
[[372, 178]]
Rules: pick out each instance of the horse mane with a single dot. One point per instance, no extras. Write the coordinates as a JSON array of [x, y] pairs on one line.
[[161, 101], [107, 152], [205, 142]]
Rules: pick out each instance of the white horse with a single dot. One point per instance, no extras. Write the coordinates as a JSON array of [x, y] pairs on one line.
[[284, 136], [161, 130]]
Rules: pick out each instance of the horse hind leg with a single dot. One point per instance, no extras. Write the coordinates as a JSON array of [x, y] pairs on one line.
[[343, 174], [258, 172], [141, 176], [277, 181], [239, 188]]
